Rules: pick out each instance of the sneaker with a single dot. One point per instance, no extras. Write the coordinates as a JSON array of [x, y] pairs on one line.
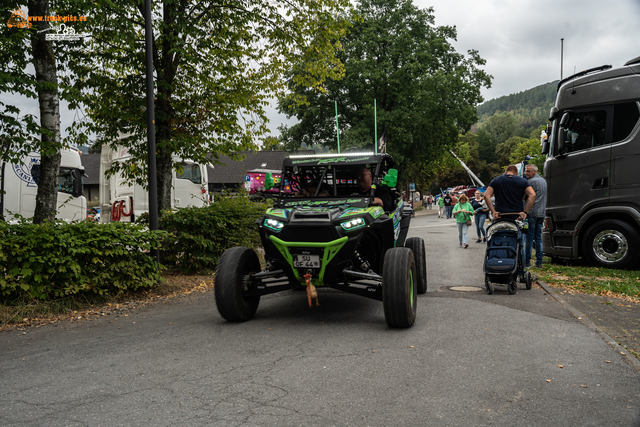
[[484, 240], [466, 245], [479, 241], [527, 265], [538, 265]]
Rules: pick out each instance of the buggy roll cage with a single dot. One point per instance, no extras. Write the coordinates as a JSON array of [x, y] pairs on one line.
[[335, 172]]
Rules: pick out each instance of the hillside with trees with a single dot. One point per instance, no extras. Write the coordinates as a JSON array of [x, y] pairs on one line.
[[508, 130], [530, 107]]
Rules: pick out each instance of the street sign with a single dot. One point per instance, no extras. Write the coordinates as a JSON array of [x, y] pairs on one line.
[[412, 187]]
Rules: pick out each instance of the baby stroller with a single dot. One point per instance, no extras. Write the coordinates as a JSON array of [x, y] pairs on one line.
[[504, 260]]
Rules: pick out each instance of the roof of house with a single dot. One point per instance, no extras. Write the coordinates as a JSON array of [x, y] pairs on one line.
[[91, 163], [233, 172], [228, 172]]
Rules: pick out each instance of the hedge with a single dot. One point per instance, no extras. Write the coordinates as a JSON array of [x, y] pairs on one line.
[[56, 259], [199, 236]]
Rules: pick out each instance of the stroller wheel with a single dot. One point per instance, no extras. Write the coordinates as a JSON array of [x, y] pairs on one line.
[[488, 285], [528, 280], [512, 286]]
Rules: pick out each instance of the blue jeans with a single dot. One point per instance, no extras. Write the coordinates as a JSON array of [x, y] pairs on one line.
[[449, 210], [480, 220], [535, 233], [462, 232]]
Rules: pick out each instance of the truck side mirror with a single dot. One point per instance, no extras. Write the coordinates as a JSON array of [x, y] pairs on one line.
[[565, 119], [560, 140], [545, 147], [77, 182], [268, 181]]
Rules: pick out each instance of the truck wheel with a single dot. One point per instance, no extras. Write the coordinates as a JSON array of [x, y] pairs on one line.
[[399, 296], [611, 244], [231, 284], [416, 244]]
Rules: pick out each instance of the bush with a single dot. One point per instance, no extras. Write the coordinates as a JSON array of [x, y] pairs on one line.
[[56, 259], [203, 234]]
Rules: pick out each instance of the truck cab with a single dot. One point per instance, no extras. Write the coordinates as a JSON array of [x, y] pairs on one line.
[[20, 186], [124, 201], [593, 199]]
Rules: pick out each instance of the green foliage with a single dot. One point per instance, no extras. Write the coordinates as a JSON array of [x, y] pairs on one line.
[[530, 107], [200, 235], [55, 259], [528, 147], [424, 91], [216, 64]]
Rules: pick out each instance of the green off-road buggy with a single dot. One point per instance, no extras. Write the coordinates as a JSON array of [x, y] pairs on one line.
[[322, 233]]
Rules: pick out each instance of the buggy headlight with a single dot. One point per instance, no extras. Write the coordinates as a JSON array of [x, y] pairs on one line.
[[273, 224], [353, 224]]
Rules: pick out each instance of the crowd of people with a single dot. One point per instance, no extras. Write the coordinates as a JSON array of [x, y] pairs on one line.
[[521, 198]]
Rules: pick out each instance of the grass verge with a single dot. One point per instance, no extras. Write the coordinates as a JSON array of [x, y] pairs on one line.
[[578, 277]]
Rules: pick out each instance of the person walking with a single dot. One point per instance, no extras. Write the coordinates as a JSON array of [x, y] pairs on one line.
[[480, 210], [509, 190], [441, 207], [536, 215], [447, 204], [463, 211]]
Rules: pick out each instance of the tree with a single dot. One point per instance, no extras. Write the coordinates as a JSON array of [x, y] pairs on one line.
[[216, 64], [23, 43], [425, 92], [495, 131], [504, 150]]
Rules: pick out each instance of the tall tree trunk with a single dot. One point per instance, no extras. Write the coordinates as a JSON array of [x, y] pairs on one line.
[[44, 62], [164, 165]]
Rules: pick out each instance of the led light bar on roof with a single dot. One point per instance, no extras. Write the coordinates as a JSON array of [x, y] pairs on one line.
[[315, 156]]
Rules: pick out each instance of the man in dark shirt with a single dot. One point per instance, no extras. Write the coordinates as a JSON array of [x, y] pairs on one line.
[[381, 195], [509, 190], [448, 206]]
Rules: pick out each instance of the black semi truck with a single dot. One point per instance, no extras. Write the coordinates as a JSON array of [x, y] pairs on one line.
[[592, 168]]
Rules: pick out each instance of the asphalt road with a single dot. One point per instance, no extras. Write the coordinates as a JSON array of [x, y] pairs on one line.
[[470, 360]]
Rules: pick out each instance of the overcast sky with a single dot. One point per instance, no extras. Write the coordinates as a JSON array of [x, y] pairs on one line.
[[520, 39]]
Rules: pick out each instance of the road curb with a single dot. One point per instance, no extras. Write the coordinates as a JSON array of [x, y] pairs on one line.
[[617, 347]]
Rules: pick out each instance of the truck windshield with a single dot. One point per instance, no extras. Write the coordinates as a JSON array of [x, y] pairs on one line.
[[191, 172], [66, 180]]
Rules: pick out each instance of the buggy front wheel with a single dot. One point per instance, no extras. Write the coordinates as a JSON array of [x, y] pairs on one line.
[[231, 284], [512, 286], [488, 285], [399, 290], [528, 280]]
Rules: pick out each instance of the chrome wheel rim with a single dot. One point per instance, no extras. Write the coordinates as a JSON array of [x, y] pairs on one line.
[[610, 246]]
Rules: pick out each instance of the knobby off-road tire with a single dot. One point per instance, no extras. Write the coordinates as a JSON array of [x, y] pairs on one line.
[[399, 292], [231, 281], [611, 244], [416, 244]]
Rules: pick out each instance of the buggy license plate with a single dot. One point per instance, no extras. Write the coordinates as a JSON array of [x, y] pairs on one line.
[[306, 261]]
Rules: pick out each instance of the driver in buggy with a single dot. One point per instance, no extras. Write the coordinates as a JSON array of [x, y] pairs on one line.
[[382, 197]]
